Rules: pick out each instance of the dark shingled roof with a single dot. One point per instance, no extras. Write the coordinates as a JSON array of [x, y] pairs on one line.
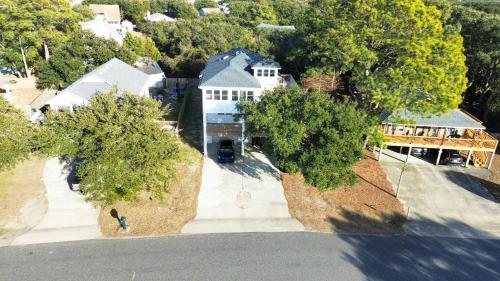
[[234, 69], [452, 119]]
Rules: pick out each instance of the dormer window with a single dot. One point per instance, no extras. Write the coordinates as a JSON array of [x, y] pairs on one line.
[[259, 72], [271, 73], [266, 72]]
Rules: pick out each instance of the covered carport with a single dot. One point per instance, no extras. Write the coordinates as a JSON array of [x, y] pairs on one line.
[[223, 126]]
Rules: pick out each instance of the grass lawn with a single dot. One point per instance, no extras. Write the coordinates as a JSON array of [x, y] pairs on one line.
[[191, 128], [368, 207], [150, 217], [22, 198]]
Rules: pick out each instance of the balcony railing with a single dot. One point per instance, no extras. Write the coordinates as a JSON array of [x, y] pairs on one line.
[[478, 140]]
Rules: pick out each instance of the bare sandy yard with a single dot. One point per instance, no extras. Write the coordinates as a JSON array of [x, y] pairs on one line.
[[368, 207], [22, 199], [151, 217]]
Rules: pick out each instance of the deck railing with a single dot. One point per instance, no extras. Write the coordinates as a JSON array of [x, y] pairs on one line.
[[479, 141]]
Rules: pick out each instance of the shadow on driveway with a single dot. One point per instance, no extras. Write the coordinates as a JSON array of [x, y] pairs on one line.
[[254, 164], [473, 184]]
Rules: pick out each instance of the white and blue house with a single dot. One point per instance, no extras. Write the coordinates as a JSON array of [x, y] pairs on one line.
[[228, 78]]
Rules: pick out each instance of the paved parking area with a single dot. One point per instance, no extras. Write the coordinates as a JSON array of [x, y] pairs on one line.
[[246, 196], [68, 217], [443, 200]]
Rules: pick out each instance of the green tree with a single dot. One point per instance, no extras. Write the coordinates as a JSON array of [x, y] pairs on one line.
[[122, 149], [481, 33], [142, 46], [251, 13], [187, 44], [205, 4], [311, 133], [288, 12], [15, 135], [80, 55], [398, 54], [33, 24]]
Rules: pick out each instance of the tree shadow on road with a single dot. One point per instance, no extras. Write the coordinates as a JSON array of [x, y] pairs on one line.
[[445, 258]]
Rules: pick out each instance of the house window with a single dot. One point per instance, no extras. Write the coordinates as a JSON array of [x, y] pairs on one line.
[[209, 95], [266, 72], [259, 72], [243, 95], [234, 95], [250, 96], [224, 95], [216, 95], [271, 73]]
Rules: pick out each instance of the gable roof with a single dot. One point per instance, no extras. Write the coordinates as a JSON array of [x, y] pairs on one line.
[[158, 17], [453, 119], [233, 69], [112, 73], [111, 12], [103, 29]]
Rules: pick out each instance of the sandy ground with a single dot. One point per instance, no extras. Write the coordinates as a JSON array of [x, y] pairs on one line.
[[368, 207], [25, 93], [150, 217], [22, 199]]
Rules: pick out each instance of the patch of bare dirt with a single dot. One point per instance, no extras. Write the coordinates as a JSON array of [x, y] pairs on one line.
[[22, 199], [493, 182], [151, 217], [368, 207]]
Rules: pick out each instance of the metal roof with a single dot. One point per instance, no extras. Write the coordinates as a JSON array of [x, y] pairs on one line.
[[233, 69], [452, 119], [113, 73], [103, 29]]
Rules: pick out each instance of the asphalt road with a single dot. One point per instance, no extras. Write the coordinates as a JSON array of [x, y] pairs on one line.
[[257, 256]]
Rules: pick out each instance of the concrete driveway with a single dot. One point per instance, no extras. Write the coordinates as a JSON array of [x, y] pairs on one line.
[[68, 217], [443, 200], [246, 196]]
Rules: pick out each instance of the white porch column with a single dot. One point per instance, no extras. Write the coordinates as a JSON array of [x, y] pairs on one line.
[[408, 155], [380, 152], [243, 138], [468, 158], [205, 151], [439, 155], [491, 160]]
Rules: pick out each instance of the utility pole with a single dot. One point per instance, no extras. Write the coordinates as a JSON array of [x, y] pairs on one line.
[[28, 75]]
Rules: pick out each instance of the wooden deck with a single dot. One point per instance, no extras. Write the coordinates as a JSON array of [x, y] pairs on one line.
[[482, 142]]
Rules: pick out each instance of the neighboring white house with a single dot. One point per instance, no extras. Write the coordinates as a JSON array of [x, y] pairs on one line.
[[114, 73], [152, 68], [110, 13], [231, 77], [158, 17], [100, 27]]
